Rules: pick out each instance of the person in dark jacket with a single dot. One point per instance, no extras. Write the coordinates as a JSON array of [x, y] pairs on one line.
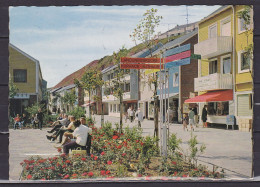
[[40, 117], [23, 120], [204, 115]]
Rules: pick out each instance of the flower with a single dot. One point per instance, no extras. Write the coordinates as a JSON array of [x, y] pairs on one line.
[[90, 174], [123, 154], [115, 137], [59, 149], [83, 159], [175, 173], [102, 172], [142, 143], [66, 176], [139, 175], [63, 155], [119, 147], [84, 174], [103, 153], [109, 162], [184, 175], [29, 176], [107, 172], [92, 156], [174, 163], [67, 161], [95, 158]]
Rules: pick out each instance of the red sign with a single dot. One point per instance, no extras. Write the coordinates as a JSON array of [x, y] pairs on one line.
[[140, 66], [139, 60], [178, 56]]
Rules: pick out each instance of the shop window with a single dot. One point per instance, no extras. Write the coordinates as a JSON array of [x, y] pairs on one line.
[[20, 75], [218, 108], [213, 66]]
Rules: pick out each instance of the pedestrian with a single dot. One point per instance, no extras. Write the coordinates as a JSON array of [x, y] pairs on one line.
[[185, 121], [40, 117], [195, 115], [169, 115], [204, 116], [131, 114], [140, 117], [23, 120], [191, 119], [126, 116]]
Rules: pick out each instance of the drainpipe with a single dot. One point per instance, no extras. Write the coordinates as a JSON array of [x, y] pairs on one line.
[[234, 61]]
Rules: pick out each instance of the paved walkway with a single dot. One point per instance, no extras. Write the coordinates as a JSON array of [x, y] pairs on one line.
[[226, 148]]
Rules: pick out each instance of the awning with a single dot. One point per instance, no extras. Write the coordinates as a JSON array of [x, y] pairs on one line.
[[174, 95], [216, 96], [87, 104]]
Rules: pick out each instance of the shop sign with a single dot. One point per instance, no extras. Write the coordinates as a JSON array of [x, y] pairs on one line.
[[177, 50], [178, 63], [22, 96], [139, 60], [140, 66]]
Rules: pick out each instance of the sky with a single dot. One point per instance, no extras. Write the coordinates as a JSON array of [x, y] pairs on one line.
[[64, 39]]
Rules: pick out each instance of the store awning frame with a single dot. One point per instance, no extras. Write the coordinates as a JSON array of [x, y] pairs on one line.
[[214, 96]]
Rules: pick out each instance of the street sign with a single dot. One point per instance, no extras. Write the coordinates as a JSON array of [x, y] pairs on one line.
[[140, 66], [177, 50], [178, 56], [195, 56], [178, 63], [139, 60]]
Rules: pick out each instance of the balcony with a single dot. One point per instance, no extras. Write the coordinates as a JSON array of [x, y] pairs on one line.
[[111, 98], [214, 47], [214, 81]]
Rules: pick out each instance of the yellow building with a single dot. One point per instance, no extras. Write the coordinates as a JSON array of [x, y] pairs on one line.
[[223, 79], [25, 72]]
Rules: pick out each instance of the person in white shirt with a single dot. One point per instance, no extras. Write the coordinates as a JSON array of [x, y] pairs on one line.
[[80, 136], [140, 117]]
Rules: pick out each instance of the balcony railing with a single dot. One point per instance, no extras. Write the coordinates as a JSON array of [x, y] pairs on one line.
[[214, 81], [213, 47]]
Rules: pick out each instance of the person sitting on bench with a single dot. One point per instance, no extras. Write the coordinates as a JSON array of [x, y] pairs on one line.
[[59, 123], [17, 121], [80, 136]]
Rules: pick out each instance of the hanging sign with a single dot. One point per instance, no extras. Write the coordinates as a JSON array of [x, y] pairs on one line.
[[178, 63], [177, 50], [139, 60], [141, 63], [140, 66]]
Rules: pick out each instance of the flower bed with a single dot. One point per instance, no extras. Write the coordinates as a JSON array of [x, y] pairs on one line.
[[117, 155]]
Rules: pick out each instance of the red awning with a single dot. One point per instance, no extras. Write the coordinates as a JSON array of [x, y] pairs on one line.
[[216, 96]]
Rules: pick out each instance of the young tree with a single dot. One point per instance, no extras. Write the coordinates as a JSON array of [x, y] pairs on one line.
[[13, 90], [70, 98], [145, 32], [90, 81], [118, 80]]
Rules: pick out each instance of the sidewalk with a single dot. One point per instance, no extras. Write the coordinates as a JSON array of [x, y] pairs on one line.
[[226, 148], [230, 149]]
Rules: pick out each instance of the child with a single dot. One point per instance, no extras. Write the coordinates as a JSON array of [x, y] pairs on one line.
[[185, 122]]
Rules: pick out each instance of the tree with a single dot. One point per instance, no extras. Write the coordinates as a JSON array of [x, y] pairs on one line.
[[145, 32], [70, 98], [118, 81], [90, 81], [246, 17], [13, 90]]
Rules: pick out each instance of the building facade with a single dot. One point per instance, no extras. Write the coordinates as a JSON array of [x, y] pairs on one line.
[[25, 72]]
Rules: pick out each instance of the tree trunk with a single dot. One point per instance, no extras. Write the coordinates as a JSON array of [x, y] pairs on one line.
[[121, 112], [89, 104], [156, 113]]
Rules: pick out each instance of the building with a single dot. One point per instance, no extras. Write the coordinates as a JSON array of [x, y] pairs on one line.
[[128, 83], [25, 72], [224, 81], [67, 85], [180, 77]]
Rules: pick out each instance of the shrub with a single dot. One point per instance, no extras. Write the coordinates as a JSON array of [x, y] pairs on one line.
[[77, 112]]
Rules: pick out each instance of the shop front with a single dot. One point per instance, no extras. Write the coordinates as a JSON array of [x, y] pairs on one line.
[[219, 105]]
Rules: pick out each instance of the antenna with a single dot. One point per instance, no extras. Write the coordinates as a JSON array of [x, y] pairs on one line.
[[187, 17], [168, 28]]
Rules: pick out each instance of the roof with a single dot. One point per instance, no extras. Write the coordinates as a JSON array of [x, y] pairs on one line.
[[222, 8], [177, 41], [109, 68], [66, 87], [69, 80]]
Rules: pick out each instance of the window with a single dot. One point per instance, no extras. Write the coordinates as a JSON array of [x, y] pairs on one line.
[[226, 64], [244, 62], [114, 108], [20, 75], [218, 108], [213, 31], [213, 66], [111, 107], [175, 79], [226, 27], [242, 26], [127, 87]]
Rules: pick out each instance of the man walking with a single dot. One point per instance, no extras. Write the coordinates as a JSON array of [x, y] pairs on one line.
[[40, 117], [191, 119], [140, 117]]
